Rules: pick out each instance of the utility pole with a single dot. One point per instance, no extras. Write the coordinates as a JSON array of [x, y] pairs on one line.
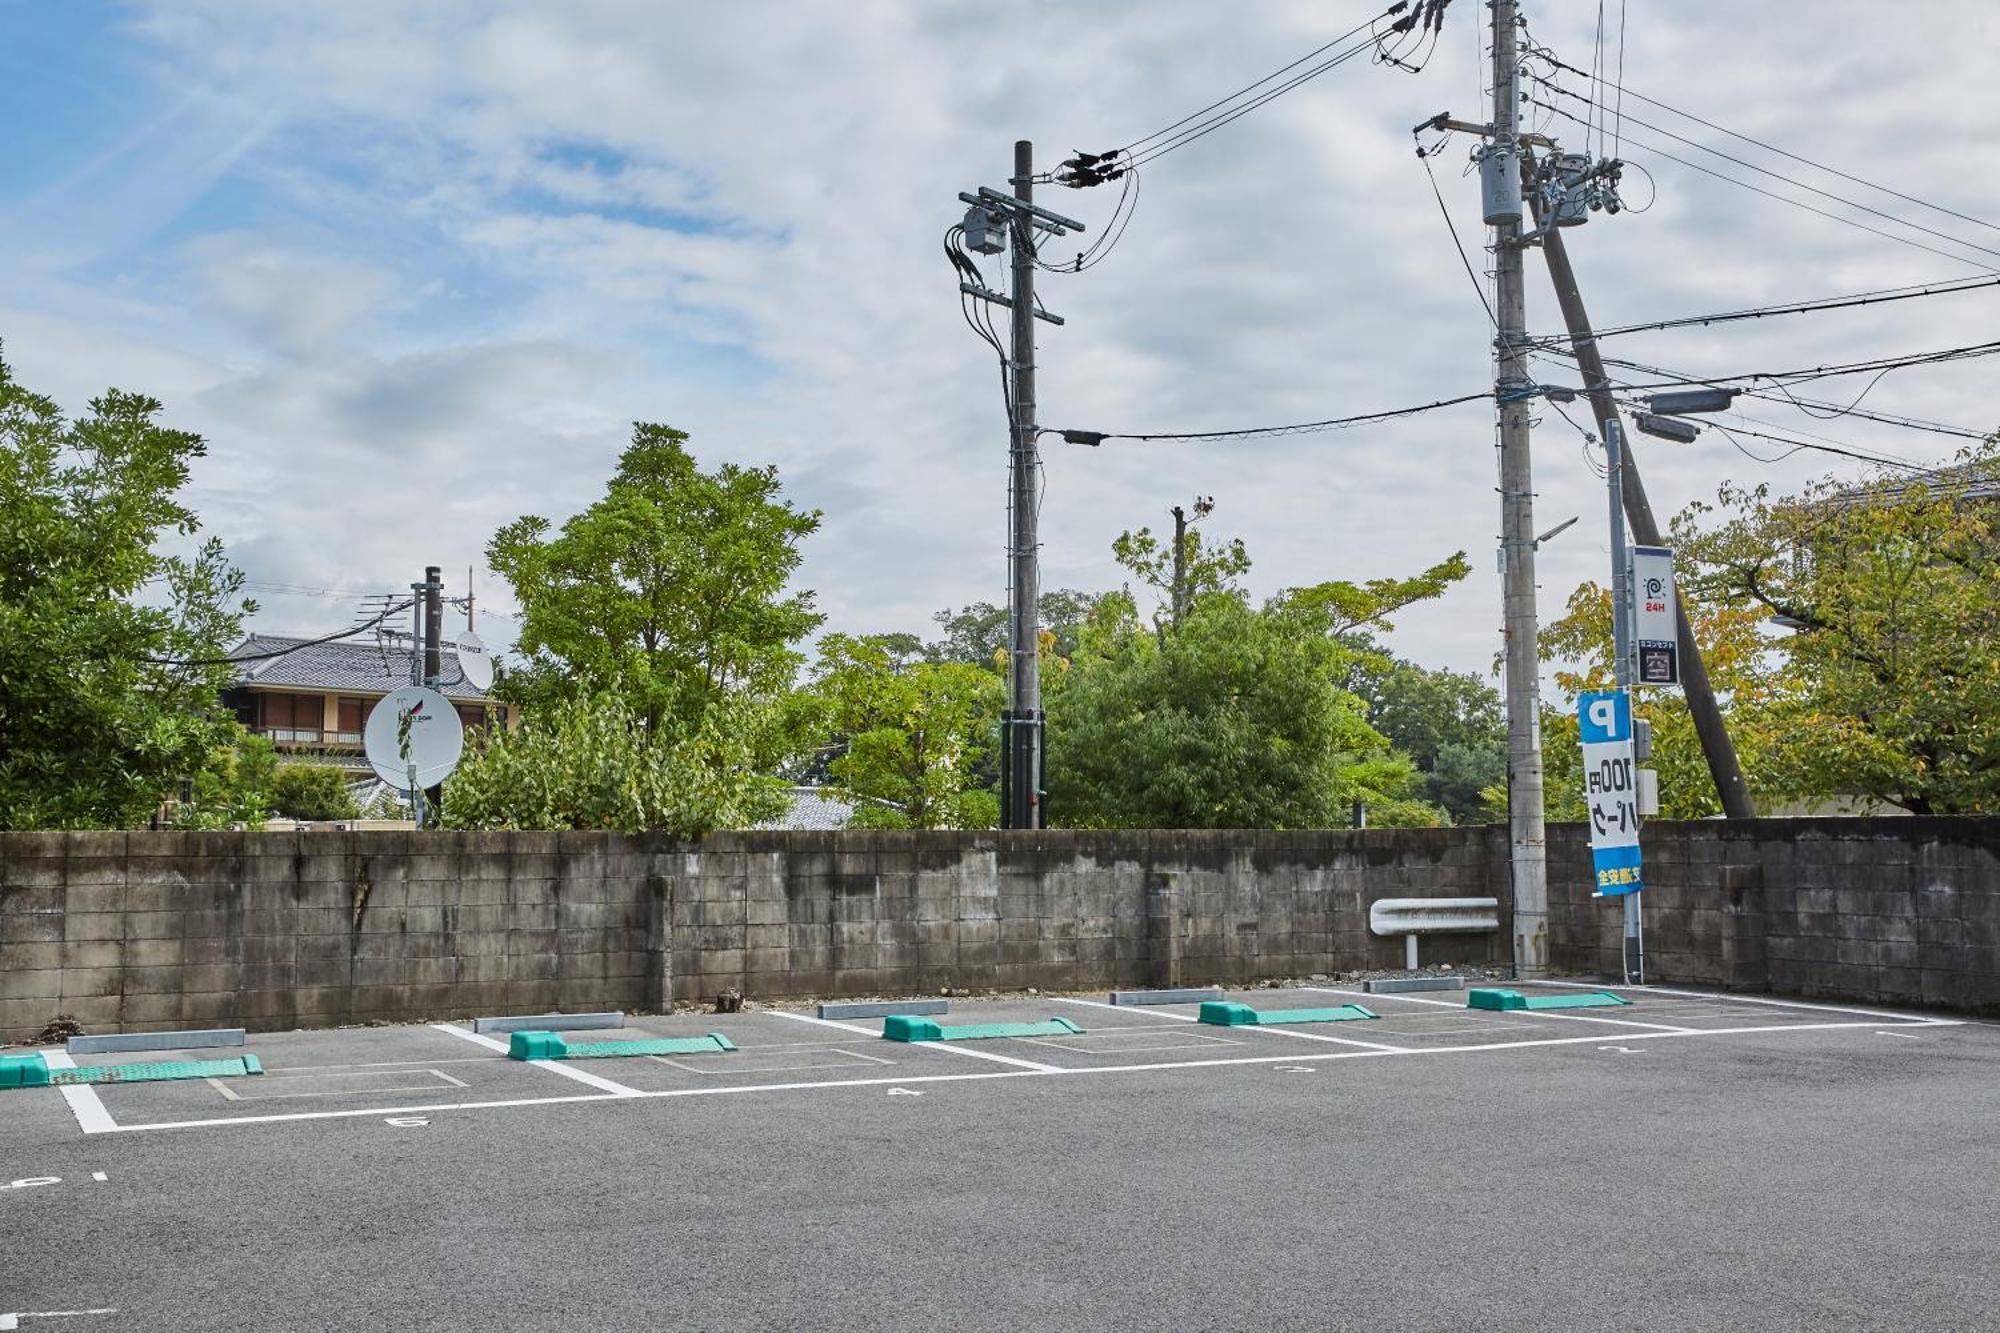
[[1024, 723], [433, 617], [1621, 650], [1501, 190], [1723, 766], [1180, 564], [991, 212]]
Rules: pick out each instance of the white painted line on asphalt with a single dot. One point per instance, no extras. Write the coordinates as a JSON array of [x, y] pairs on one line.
[[1293, 1057], [789, 1061], [928, 1045], [1906, 1036], [1253, 1027], [1523, 1013], [8, 1321], [1722, 998], [1597, 1018], [91, 1117], [553, 1066]]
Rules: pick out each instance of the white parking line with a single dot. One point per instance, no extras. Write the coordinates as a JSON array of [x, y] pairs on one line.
[[553, 1066], [1275, 1031], [91, 1117], [930, 1045], [1721, 998], [1292, 1057], [1525, 1013]]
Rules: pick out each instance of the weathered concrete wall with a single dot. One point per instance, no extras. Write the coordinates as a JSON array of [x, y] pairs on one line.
[[1885, 910], [854, 913], [275, 930]]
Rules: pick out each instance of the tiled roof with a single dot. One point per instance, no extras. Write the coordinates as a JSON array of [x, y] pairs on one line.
[[812, 809], [357, 665]]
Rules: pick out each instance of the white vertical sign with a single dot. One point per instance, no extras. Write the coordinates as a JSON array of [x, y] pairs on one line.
[[1654, 633]]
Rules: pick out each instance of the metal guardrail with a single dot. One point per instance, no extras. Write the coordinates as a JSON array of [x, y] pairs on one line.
[[1411, 917]]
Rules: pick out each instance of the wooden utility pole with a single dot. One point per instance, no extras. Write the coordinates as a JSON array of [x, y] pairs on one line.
[[1716, 747], [1514, 389]]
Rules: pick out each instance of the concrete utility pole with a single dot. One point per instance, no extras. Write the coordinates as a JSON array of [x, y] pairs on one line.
[[1514, 389], [1723, 766], [433, 622], [1024, 722]]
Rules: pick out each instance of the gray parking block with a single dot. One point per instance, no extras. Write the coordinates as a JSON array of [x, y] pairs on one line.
[[1391, 985], [1192, 995], [549, 1023], [154, 1041], [882, 1008]]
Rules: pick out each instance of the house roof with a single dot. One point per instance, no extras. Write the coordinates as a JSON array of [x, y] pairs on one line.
[[812, 809], [359, 666]]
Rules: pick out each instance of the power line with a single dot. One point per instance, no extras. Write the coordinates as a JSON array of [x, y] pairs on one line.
[[1768, 147], [1298, 428], [1781, 394], [1452, 227], [1779, 175], [1214, 123], [1802, 376], [282, 652], [1818, 444], [1783, 199], [1129, 148], [1882, 296]]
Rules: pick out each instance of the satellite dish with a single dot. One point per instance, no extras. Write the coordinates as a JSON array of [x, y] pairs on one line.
[[436, 738], [474, 661]]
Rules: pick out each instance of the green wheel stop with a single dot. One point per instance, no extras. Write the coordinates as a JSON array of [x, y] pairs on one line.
[[554, 1046], [32, 1071], [1513, 999], [1228, 1014], [907, 1027], [24, 1071]]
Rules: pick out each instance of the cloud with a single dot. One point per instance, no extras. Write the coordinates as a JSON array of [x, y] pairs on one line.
[[469, 243]]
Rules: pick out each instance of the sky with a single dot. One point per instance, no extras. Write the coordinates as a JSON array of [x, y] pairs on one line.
[[414, 270]]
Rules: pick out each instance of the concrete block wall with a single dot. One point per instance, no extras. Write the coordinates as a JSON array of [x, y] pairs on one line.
[[799, 914], [146, 931], [152, 931], [1891, 911]]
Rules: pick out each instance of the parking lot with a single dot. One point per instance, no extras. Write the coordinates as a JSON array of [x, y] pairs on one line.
[[1687, 1160]]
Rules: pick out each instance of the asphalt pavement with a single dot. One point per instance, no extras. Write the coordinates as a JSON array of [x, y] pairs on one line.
[[1677, 1167]]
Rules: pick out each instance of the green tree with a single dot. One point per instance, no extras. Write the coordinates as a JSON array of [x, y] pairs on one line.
[[1892, 591], [669, 592], [912, 734], [1750, 686], [1206, 567], [111, 649], [313, 791], [1236, 721], [977, 633], [235, 786], [1450, 724], [1887, 686], [591, 761], [1240, 718]]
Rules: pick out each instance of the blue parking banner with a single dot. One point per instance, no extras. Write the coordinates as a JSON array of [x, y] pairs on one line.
[[1610, 790]]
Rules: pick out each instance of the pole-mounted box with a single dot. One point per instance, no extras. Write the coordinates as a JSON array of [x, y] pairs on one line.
[[1500, 185]]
